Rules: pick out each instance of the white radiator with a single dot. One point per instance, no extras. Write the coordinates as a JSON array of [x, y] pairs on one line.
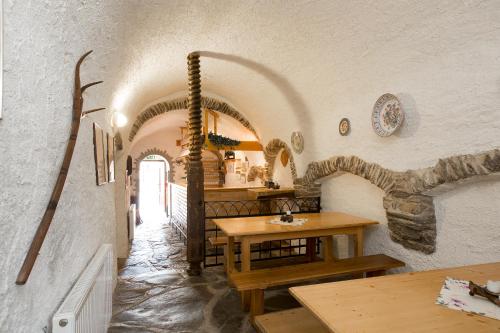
[[87, 308]]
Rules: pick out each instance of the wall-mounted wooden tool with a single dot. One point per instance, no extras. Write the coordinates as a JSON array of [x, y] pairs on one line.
[[44, 225]]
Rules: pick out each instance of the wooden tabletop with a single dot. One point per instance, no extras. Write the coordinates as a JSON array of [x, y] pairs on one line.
[[268, 192], [396, 303], [259, 225]]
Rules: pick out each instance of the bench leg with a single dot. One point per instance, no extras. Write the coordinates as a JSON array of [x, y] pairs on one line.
[[229, 255], [257, 305], [224, 256], [246, 300]]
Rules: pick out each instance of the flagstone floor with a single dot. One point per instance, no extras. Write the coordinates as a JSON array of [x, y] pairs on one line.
[[154, 294]]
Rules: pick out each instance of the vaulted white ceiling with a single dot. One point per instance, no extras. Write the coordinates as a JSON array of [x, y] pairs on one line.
[[304, 65]]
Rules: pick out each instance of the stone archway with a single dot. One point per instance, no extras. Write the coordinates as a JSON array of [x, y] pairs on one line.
[[181, 104], [142, 156], [408, 204], [136, 171], [271, 153]]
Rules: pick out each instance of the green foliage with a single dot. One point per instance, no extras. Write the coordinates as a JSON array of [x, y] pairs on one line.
[[221, 141]]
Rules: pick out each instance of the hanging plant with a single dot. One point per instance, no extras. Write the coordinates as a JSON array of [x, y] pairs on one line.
[[221, 141]]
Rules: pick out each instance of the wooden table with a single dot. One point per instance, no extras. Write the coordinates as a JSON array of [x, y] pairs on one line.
[[396, 303], [257, 229]]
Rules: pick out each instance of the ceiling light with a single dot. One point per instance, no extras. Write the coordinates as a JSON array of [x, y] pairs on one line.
[[119, 119]]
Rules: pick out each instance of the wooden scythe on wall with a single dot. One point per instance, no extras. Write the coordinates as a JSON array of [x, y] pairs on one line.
[[44, 225]]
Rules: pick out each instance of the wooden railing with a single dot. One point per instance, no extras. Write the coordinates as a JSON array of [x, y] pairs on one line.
[[178, 209]]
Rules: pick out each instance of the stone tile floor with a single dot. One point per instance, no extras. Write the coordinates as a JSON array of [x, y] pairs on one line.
[[154, 294]]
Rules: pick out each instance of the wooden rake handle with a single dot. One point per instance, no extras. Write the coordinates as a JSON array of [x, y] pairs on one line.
[[44, 225]]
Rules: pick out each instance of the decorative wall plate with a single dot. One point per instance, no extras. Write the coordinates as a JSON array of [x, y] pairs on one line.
[[344, 127], [297, 142], [387, 115]]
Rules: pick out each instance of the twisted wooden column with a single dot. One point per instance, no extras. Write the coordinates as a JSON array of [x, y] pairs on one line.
[[195, 179]]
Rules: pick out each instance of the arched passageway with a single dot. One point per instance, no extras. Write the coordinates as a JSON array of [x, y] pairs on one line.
[[153, 183]]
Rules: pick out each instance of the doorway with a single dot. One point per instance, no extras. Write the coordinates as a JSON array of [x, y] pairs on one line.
[[153, 184]]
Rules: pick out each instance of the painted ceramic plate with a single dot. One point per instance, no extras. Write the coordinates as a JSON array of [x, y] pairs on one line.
[[387, 115], [297, 142], [344, 126]]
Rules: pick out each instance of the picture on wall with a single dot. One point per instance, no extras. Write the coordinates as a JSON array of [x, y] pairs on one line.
[[111, 157], [100, 158]]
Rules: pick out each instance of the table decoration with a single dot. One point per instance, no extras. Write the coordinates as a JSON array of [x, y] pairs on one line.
[[455, 295]]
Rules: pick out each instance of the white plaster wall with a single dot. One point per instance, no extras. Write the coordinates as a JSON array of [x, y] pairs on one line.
[[42, 41], [441, 59]]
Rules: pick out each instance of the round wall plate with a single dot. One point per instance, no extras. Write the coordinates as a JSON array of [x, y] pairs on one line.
[[387, 115], [344, 127], [297, 142]]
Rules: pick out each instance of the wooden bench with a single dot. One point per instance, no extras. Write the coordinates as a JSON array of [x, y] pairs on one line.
[[257, 281], [222, 241], [297, 320], [219, 241]]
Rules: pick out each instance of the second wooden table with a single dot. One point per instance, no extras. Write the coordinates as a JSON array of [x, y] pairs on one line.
[[257, 229]]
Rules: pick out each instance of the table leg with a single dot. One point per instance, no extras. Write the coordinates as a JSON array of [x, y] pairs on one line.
[[358, 248], [229, 254], [359, 245], [245, 255], [328, 248], [245, 267], [311, 249]]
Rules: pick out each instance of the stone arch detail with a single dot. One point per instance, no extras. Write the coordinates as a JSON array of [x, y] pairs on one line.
[[143, 155], [182, 103], [271, 153], [408, 203]]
